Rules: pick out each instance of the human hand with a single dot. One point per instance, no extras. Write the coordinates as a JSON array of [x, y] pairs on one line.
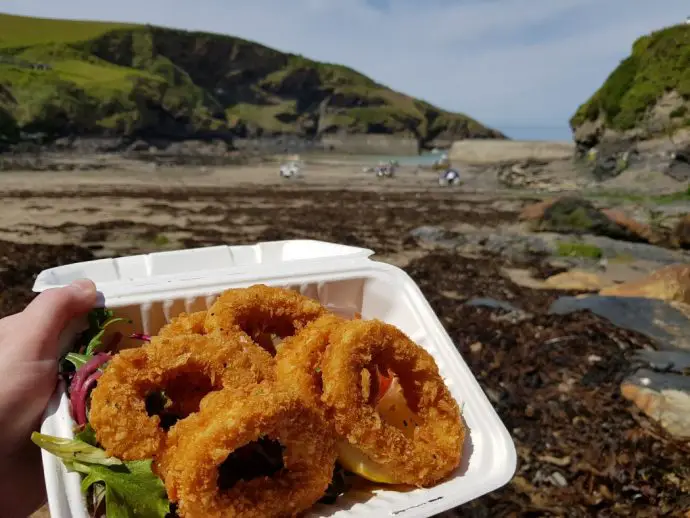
[[29, 352]]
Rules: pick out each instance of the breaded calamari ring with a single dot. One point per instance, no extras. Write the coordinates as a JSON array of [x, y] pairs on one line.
[[223, 426], [436, 447], [261, 311], [185, 324], [186, 367], [298, 361]]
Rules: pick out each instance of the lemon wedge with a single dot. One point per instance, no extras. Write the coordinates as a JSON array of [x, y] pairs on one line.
[[394, 410], [357, 462]]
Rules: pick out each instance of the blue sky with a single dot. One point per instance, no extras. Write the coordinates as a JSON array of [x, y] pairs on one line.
[[522, 66]]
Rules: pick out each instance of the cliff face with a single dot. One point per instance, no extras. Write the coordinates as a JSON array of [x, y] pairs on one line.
[[646, 96], [76, 78]]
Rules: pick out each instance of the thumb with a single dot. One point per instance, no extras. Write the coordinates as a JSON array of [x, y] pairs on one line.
[[48, 314]]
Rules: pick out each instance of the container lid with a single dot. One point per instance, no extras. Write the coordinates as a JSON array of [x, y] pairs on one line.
[[180, 267]]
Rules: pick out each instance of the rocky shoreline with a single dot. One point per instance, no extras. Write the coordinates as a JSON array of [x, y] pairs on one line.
[[592, 385], [547, 167], [82, 153]]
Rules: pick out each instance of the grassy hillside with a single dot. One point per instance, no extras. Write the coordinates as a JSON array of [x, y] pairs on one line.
[[659, 64], [67, 77]]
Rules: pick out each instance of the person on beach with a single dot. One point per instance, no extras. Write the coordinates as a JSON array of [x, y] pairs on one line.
[[29, 352]]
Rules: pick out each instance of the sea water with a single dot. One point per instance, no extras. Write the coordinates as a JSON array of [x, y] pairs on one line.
[[422, 160]]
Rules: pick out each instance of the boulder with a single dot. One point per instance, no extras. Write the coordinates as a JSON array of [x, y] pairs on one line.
[[679, 167], [535, 211], [588, 134], [643, 231], [664, 397], [681, 232], [572, 215], [613, 156], [671, 283]]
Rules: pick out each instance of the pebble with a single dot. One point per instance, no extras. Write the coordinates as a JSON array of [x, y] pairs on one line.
[[558, 479]]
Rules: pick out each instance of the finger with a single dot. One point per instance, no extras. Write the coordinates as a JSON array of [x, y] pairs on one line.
[[48, 314]]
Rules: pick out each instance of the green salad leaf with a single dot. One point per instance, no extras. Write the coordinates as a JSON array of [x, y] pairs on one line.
[[90, 341], [88, 435], [78, 360], [73, 450], [97, 341], [97, 317], [132, 489]]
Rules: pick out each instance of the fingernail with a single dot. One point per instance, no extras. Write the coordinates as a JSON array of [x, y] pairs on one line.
[[84, 285]]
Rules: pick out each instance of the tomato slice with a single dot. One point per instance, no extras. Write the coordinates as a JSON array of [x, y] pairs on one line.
[[384, 384]]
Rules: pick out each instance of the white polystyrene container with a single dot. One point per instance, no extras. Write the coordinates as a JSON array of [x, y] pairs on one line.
[[151, 289]]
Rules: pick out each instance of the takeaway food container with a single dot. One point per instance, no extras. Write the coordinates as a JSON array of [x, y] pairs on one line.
[[151, 289]]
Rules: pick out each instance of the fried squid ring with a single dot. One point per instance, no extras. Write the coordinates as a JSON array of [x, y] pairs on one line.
[[262, 311], [298, 362], [435, 449], [183, 370], [184, 324], [227, 423]]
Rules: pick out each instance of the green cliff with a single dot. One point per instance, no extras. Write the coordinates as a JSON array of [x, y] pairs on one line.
[[88, 78], [647, 95]]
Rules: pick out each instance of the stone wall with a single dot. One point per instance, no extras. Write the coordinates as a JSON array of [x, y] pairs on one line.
[[486, 151]]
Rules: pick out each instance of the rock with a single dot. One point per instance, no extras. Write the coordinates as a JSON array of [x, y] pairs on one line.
[[514, 247], [671, 283], [605, 167], [63, 143], [588, 134], [436, 236], [644, 232], [523, 278], [639, 251], [663, 397], [511, 313], [492, 303], [535, 212], [668, 361], [613, 155], [525, 174], [139, 145], [576, 281], [679, 167], [681, 232], [216, 147], [571, 215], [666, 325]]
